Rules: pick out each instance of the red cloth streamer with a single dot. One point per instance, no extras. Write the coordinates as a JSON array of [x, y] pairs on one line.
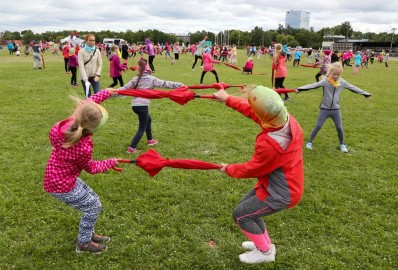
[[284, 90], [309, 65], [179, 95], [218, 86], [152, 162], [209, 86], [232, 66]]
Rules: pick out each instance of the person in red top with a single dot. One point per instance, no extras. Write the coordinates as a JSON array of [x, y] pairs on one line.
[[279, 65], [65, 53], [277, 163], [72, 153], [248, 68]]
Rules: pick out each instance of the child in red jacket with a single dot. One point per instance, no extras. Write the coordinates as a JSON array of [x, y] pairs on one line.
[[277, 163]]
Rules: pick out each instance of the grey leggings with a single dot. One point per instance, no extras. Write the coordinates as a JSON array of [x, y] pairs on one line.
[[84, 199], [249, 212], [336, 117]]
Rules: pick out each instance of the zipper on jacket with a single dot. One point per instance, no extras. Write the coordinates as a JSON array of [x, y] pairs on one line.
[[331, 104]]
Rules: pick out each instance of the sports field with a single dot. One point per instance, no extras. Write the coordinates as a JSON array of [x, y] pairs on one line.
[[347, 218]]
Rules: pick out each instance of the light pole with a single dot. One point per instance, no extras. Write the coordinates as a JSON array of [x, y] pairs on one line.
[[392, 38]]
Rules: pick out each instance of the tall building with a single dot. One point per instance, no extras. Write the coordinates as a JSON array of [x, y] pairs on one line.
[[298, 19]]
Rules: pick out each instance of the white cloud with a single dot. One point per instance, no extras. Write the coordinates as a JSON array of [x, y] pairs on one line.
[[172, 16]]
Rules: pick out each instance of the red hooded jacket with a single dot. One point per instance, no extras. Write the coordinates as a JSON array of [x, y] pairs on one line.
[[280, 173]]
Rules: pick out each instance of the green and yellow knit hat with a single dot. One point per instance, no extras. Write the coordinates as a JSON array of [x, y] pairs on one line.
[[268, 106]]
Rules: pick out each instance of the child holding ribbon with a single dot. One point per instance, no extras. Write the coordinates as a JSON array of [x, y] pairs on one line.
[[71, 154], [277, 163]]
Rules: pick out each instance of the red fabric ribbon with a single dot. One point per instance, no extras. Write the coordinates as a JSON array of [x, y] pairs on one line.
[[152, 162]]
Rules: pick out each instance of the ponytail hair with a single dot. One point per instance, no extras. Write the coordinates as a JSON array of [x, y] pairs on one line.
[[141, 64], [278, 49], [87, 117], [277, 52]]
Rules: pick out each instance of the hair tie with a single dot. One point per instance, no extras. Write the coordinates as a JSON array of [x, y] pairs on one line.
[[79, 128]]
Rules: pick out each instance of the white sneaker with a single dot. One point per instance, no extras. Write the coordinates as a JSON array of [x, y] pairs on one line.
[[343, 148], [249, 245], [256, 256], [308, 146]]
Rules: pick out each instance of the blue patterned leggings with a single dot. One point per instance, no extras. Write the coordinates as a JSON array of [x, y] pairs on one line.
[[84, 199]]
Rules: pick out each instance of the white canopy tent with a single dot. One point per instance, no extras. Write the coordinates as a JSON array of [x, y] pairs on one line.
[[73, 40]]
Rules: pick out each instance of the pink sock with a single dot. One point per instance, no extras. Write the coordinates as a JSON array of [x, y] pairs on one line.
[[261, 241]]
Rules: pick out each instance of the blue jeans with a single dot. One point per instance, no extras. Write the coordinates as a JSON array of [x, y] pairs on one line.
[[95, 85], [145, 124]]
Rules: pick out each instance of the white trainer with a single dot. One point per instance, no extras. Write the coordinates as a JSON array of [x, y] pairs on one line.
[[249, 245], [343, 148], [256, 256], [308, 145]]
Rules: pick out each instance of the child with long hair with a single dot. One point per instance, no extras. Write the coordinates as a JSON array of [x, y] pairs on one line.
[[208, 64], [279, 65], [234, 55], [325, 62], [332, 86], [277, 163], [176, 50], [140, 106], [72, 153], [116, 68]]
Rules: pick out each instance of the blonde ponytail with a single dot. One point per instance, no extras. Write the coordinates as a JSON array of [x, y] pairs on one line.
[[87, 117]]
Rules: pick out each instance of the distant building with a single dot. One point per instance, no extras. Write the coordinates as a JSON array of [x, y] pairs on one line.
[[298, 19], [341, 43], [186, 38]]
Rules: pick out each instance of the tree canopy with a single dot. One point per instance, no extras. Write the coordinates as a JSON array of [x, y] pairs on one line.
[[258, 36]]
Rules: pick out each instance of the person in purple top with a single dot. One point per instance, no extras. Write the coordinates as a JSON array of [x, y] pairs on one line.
[[150, 49], [73, 64]]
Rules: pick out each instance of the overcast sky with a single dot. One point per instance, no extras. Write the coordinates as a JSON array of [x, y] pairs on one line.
[[186, 16]]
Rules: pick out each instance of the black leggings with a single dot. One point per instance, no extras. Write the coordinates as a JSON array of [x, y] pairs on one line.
[[196, 60], [203, 75], [115, 79], [66, 65], [150, 62], [279, 84], [73, 79], [317, 76]]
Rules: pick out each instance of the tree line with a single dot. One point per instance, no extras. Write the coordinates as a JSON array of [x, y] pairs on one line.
[[286, 35]]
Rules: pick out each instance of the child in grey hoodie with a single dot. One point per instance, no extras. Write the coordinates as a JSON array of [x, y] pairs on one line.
[[332, 85]]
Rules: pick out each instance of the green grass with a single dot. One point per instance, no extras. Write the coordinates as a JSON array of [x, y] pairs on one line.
[[347, 218]]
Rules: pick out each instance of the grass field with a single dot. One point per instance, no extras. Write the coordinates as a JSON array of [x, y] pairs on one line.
[[347, 218]]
